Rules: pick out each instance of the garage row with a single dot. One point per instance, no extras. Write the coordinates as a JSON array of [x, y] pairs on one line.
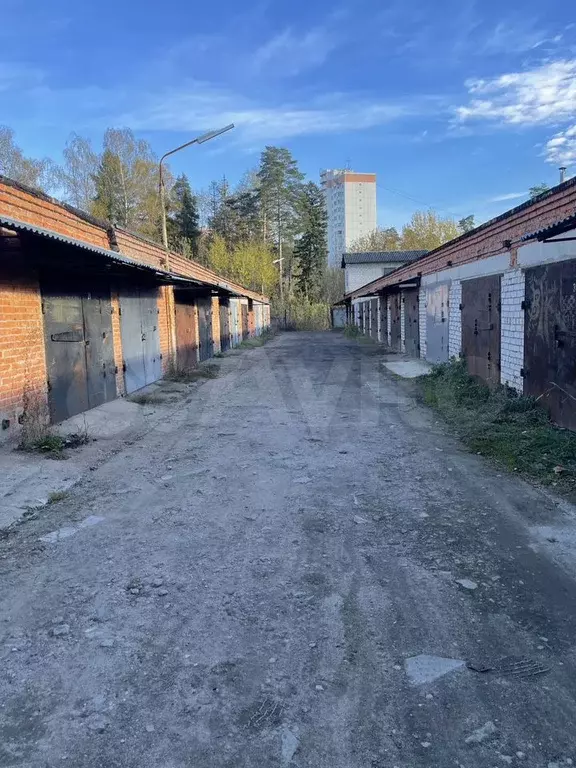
[[512, 325], [80, 325]]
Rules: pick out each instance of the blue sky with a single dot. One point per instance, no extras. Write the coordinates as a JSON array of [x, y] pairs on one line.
[[460, 105]]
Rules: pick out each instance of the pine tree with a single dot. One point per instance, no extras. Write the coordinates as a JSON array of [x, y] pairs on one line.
[[184, 231], [310, 251]]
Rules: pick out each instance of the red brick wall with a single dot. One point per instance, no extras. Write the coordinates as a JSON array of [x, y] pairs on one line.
[[22, 357]]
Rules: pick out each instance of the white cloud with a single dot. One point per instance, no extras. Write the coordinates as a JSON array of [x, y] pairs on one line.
[[506, 196], [561, 148], [289, 53], [542, 95]]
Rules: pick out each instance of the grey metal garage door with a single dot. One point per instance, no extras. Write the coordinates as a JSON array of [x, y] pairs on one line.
[[140, 337], [79, 350], [437, 323]]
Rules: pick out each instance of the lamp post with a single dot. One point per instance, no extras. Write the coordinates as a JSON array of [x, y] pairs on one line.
[[198, 140]]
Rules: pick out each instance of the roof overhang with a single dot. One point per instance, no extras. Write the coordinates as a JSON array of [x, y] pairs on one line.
[[548, 233], [108, 258]]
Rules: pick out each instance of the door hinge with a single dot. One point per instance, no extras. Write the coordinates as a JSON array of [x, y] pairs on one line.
[[124, 367], [461, 307], [43, 306], [523, 373], [525, 305], [48, 385], [115, 369]]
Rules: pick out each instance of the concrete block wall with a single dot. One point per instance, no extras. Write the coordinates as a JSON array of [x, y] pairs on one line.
[[422, 321], [379, 319], [512, 328], [455, 319], [389, 320]]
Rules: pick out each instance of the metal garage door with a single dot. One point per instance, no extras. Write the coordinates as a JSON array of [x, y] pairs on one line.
[[481, 327], [550, 339], [186, 332], [244, 315], [411, 326], [384, 319], [205, 328], [140, 337], [79, 350], [224, 325], [374, 319], [437, 323], [395, 322], [235, 321]]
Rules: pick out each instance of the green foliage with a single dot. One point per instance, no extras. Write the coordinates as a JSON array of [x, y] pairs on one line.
[[426, 231], [538, 189], [310, 252], [279, 189], [56, 496], [378, 240], [500, 424], [466, 224], [182, 221], [352, 331], [249, 263], [306, 315]]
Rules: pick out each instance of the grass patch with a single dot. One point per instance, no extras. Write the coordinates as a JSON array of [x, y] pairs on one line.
[[56, 496], [503, 425], [258, 341], [49, 444], [188, 375], [352, 331], [146, 399]]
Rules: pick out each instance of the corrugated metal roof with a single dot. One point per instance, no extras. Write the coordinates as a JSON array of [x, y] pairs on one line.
[[553, 229], [378, 257], [22, 226]]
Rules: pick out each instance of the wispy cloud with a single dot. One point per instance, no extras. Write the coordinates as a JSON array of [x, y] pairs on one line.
[[506, 196], [289, 53], [561, 148], [542, 95]]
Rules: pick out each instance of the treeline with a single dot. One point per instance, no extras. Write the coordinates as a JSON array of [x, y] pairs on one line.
[[272, 223]]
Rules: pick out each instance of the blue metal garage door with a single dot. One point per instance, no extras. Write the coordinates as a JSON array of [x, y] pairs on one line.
[[140, 337]]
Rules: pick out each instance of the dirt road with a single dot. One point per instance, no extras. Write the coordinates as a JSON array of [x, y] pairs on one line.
[[250, 583]]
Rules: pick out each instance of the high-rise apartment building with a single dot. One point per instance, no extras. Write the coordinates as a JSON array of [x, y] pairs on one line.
[[351, 206]]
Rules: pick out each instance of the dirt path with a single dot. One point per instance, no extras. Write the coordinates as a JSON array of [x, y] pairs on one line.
[[267, 563]]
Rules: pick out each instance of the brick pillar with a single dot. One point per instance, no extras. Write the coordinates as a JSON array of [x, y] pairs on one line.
[[422, 321], [512, 328], [216, 323], [455, 320], [117, 341]]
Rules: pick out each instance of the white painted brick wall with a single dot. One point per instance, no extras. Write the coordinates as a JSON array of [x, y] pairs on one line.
[[389, 321], [379, 320], [402, 325], [512, 328], [422, 321], [455, 320]]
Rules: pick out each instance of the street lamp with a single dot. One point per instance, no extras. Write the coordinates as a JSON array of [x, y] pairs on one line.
[[198, 140]]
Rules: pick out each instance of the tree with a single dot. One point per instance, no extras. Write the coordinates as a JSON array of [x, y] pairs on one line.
[[466, 224], [79, 171], [218, 256], [183, 229], [41, 174], [331, 285], [377, 241], [280, 182], [127, 183], [538, 189], [310, 250], [427, 231]]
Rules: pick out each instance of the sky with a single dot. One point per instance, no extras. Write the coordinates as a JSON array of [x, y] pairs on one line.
[[458, 105]]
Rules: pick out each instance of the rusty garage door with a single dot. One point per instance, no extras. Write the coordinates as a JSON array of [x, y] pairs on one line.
[[374, 319], [224, 324], [437, 323], [481, 327], [395, 323], [186, 331], [205, 328], [550, 339], [79, 349], [411, 328]]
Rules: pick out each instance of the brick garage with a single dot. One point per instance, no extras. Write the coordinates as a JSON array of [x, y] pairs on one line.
[[38, 235]]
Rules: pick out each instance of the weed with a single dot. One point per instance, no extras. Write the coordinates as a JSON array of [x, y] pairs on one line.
[[498, 423], [218, 354], [351, 331], [49, 444], [188, 375], [56, 496], [146, 398]]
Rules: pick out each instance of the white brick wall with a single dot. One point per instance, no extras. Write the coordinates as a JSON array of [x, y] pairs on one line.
[[455, 320], [402, 325], [389, 321], [512, 334], [422, 321], [379, 321]]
